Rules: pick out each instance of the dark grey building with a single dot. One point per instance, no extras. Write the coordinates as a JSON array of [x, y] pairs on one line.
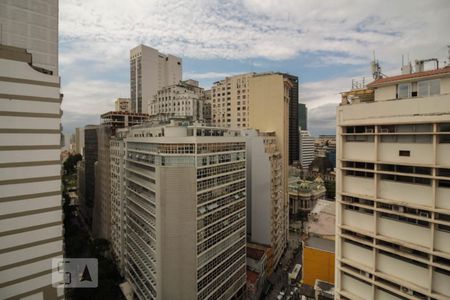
[[294, 147], [303, 116], [90, 158]]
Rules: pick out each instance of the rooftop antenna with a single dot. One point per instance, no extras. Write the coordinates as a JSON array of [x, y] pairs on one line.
[[375, 67]]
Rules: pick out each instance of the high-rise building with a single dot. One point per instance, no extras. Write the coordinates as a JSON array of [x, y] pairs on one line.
[[265, 204], [31, 230], [306, 148], [90, 158], [150, 71], [118, 199], [207, 108], [79, 141], [302, 116], [243, 101], [181, 101], [185, 212], [111, 122], [393, 188], [294, 154]]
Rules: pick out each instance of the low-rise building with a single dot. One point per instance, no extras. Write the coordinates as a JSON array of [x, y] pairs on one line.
[[303, 195]]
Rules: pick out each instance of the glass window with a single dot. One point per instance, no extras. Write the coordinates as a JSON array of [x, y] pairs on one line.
[[404, 90], [428, 88]]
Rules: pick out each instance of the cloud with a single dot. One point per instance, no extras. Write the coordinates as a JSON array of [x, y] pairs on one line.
[[208, 75], [85, 100], [96, 35], [322, 119]]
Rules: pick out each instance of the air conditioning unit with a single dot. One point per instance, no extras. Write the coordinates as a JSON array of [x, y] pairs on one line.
[[407, 291], [369, 130], [384, 130]]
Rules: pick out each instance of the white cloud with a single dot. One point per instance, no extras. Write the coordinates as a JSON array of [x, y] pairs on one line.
[[208, 75], [85, 100], [101, 32]]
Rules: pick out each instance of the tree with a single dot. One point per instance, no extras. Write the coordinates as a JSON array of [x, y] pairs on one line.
[[71, 162], [330, 186]]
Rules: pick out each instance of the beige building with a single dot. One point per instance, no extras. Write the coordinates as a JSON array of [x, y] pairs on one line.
[[184, 100], [185, 212], [150, 71], [31, 219], [79, 141], [393, 188], [123, 104]]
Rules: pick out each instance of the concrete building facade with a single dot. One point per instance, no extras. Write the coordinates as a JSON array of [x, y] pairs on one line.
[[31, 226], [302, 116], [185, 214], [184, 100], [306, 148], [265, 204], [79, 141], [123, 104], [150, 71], [393, 188]]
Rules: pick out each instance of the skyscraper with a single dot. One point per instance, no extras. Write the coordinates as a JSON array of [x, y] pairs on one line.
[[260, 101], [150, 71], [294, 147], [302, 116], [185, 212], [30, 141], [393, 188], [306, 148]]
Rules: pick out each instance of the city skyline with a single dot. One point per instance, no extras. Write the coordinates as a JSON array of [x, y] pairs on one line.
[[216, 40]]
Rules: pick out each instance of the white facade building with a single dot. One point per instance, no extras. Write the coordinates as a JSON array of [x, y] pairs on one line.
[[265, 204], [31, 226], [182, 100], [150, 71], [393, 189], [185, 212], [118, 200], [306, 148]]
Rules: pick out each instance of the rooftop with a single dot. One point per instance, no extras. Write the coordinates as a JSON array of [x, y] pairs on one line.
[[252, 277], [320, 244], [254, 253], [391, 79], [322, 219]]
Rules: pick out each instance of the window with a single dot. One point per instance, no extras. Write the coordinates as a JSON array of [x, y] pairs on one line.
[[404, 90], [428, 88]]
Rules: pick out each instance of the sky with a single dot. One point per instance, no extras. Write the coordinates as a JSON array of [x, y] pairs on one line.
[[327, 44]]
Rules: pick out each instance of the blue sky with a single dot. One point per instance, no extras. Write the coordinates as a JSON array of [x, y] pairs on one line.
[[325, 43]]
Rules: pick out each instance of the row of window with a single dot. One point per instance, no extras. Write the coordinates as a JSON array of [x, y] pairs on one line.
[[215, 170], [221, 246], [219, 192]]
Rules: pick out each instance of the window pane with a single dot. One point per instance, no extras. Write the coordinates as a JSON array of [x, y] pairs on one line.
[[435, 87], [422, 89], [404, 90]]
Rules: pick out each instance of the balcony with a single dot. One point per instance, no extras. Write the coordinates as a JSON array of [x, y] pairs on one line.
[[357, 254], [419, 153], [356, 287], [408, 271], [417, 194], [443, 197], [442, 151], [440, 283], [409, 233], [442, 241], [359, 151], [358, 185], [357, 220]]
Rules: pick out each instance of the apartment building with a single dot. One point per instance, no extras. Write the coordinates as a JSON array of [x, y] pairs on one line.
[[118, 200], [265, 202], [150, 71], [259, 101], [184, 100], [185, 212], [306, 148], [31, 232], [79, 141], [90, 157], [393, 188], [110, 123], [207, 108]]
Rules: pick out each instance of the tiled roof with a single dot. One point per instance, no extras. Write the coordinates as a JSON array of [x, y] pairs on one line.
[[384, 80], [252, 277]]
